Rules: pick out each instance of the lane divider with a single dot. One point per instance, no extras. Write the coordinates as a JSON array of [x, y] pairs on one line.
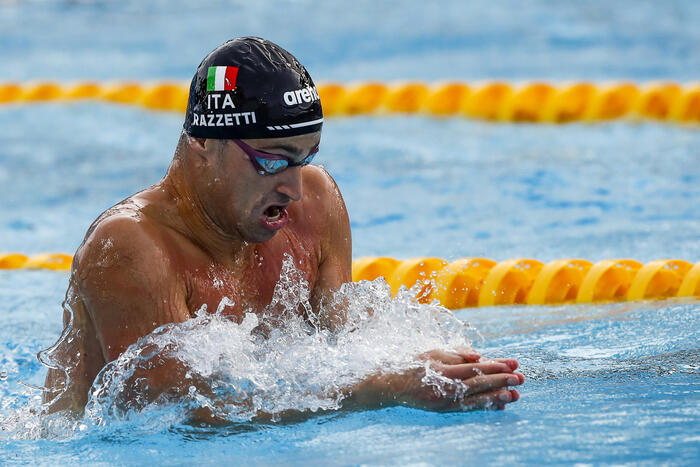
[[497, 101], [53, 261], [471, 282]]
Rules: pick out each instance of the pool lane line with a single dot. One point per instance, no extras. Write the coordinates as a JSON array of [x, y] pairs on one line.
[[472, 282], [496, 101]]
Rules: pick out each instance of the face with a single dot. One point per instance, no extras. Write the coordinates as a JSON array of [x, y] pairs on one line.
[[243, 202]]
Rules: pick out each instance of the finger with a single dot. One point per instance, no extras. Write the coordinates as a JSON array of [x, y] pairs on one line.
[[470, 370], [468, 354], [511, 362], [450, 358], [496, 399], [470, 357], [515, 395], [486, 383]]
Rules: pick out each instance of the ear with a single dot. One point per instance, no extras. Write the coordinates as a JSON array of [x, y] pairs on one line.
[[197, 144], [203, 149]]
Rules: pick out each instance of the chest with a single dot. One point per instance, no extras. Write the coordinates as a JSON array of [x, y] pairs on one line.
[[287, 264]]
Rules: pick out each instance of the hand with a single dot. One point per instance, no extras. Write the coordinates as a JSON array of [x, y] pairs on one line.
[[476, 382]]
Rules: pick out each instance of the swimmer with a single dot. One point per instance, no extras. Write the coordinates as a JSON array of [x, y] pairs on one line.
[[239, 196]]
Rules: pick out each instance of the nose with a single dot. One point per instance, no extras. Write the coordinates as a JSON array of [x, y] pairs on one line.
[[290, 183]]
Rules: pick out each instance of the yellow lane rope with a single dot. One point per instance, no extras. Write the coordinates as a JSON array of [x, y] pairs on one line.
[[470, 282], [495, 100]]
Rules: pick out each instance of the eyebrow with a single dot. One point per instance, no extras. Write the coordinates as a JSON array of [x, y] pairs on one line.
[[286, 147], [289, 148]]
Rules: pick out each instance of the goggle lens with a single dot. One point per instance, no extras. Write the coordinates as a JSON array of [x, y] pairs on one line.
[[272, 166]]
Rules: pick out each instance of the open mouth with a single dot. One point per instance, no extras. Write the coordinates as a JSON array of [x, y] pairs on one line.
[[274, 217], [274, 213]]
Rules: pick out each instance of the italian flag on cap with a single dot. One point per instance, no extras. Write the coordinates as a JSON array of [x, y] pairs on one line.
[[222, 78]]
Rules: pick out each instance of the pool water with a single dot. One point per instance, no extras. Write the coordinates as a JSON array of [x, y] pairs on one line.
[[610, 383]]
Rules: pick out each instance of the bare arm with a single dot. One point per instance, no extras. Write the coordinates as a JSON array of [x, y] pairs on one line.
[[127, 287], [128, 284], [335, 267], [73, 361], [121, 289]]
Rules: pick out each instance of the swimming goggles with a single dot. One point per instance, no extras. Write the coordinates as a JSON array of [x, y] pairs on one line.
[[269, 164]]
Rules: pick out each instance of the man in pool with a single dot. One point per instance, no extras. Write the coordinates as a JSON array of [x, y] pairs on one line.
[[238, 197]]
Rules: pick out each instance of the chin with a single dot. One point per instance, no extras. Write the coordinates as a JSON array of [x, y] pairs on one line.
[[258, 236]]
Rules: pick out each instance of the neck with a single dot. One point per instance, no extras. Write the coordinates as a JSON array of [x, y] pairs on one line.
[[226, 248]]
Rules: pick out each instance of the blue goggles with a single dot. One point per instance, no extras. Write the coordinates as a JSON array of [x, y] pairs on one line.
[[266, 163]]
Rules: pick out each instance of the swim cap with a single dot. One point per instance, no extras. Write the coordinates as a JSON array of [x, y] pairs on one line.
[[252, 88]]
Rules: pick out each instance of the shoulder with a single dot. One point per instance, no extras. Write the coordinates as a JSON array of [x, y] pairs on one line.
[[321, 191], [326, 213], [122, 241], [125, 275]]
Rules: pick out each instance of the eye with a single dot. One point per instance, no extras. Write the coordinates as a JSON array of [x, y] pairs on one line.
[[272, 165], [308, 159]]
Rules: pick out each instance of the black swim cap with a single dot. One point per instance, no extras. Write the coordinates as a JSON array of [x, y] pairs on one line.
[[252, 88]]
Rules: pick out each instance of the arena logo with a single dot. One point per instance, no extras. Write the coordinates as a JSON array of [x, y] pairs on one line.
[[308, 94]]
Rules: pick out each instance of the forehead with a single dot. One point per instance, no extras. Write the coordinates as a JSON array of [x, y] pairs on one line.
[[291, 145]]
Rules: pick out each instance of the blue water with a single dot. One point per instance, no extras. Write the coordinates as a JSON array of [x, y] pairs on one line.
[[612, 384]]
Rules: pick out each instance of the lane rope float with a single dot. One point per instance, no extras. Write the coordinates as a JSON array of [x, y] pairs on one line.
[[498, 101], [472, 282], [52, 261]]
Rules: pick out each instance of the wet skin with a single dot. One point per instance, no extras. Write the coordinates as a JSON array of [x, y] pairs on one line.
[[215, 228]]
